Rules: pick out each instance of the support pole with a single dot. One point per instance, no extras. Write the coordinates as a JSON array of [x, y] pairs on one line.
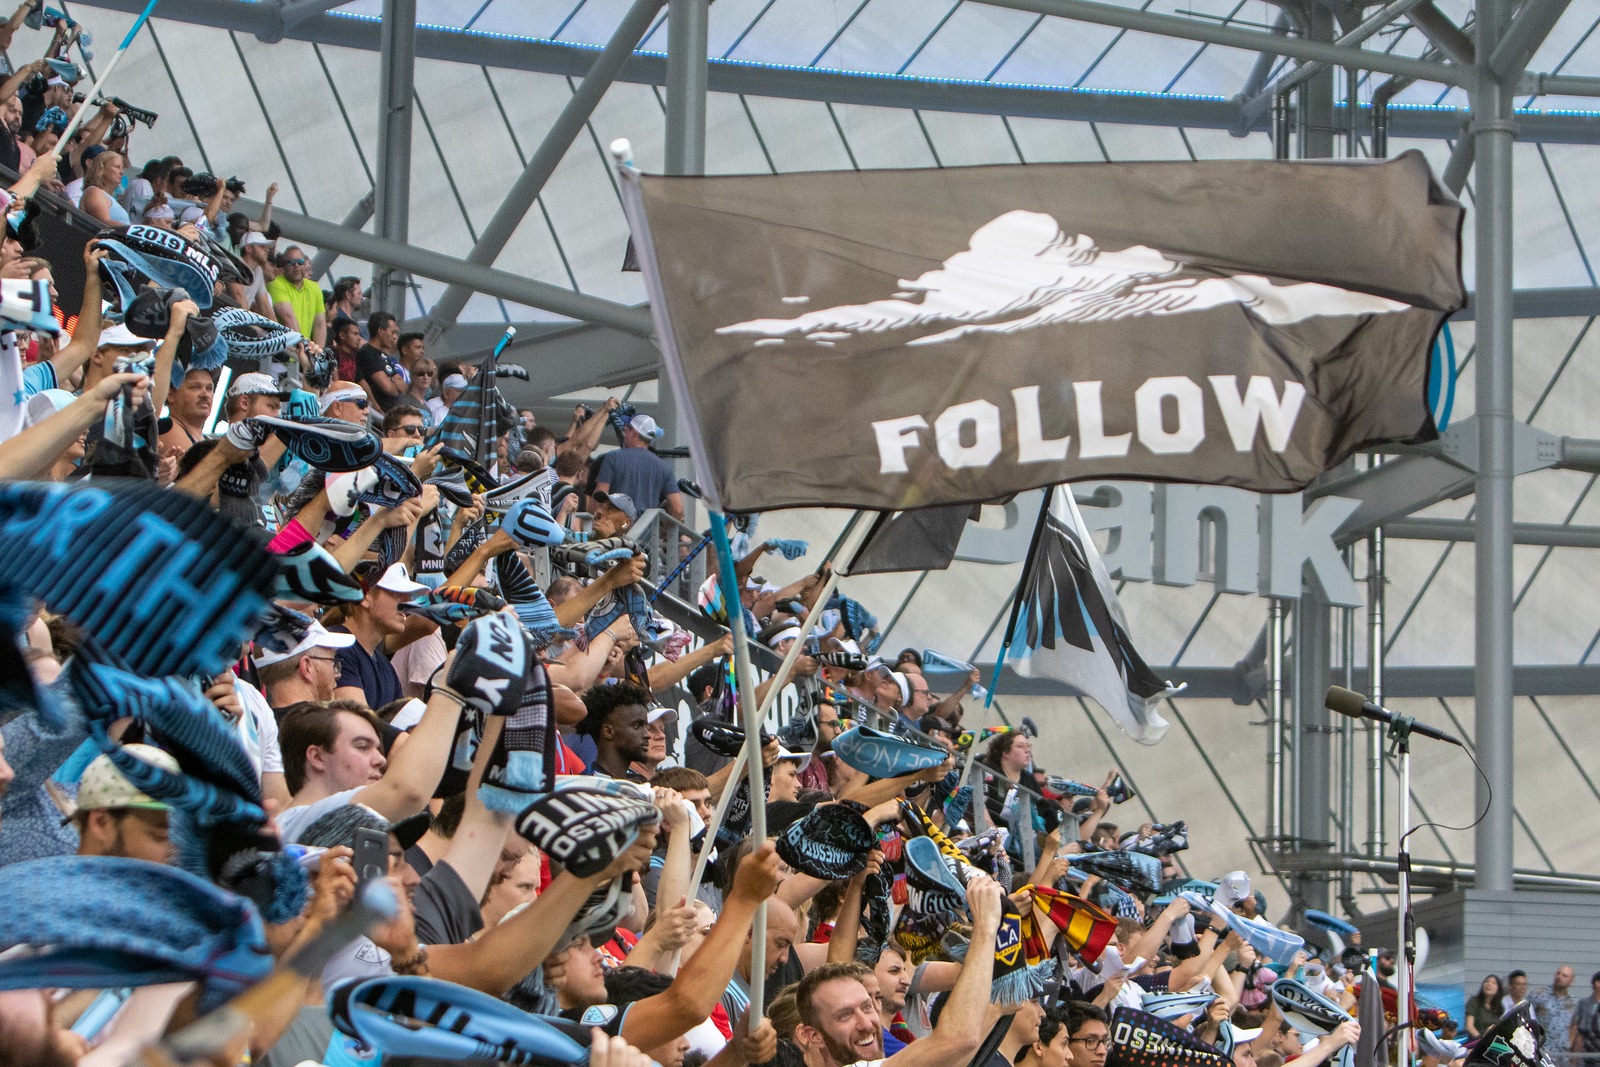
[[1314, 742], [526, 189], [1494, 130], [1376, 585], [1347, 742], [687, 48], [1275, 709], [397, 59]]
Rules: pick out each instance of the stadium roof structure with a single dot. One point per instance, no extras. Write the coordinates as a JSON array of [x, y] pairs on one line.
[[459, 150]]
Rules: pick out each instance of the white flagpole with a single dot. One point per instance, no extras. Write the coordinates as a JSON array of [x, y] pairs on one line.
[[94, 90]]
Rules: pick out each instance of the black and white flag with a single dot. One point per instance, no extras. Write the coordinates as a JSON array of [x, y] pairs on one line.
[[904, 339], [1070, 627]]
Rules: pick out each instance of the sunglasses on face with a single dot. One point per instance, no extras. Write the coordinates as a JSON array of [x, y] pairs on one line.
[[362, 404], [294, 262], [409, 431]]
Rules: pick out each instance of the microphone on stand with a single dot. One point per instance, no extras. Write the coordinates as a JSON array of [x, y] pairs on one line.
[[1353, 704]]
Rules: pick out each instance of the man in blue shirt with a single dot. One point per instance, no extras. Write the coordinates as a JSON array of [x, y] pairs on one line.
[[637, 473]]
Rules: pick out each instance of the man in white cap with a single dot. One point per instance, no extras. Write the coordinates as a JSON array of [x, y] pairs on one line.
[[365, 673], [308, 671], [114, 818], [255, 394], [638, 473], [449, 389], [256, 250], [115, 342]]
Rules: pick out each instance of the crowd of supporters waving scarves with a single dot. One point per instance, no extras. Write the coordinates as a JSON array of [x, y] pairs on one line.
[[341, 722]]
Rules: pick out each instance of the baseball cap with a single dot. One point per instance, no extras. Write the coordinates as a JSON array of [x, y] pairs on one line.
[[621, 501], [645, 427], [660, 712], [802, 758], [123, 337], [398, 580], [318, 636], [103, 786], [257, 384], [454, 381], [1230, 1037], [255, 238]]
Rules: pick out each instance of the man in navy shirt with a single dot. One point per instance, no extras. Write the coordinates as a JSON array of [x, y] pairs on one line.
[[637, 473], [365, 674]]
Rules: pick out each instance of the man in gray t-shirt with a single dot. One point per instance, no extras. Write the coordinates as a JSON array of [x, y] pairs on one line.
[[639, 474]]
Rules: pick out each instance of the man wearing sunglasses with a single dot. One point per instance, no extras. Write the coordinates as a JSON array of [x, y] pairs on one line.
[[402, 429], [347, 401], [296, 300]]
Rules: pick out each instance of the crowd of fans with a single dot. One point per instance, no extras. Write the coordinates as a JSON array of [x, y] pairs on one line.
[[465, 689]]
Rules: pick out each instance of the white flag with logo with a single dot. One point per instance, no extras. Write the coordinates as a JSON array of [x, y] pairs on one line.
[[1071, 628]]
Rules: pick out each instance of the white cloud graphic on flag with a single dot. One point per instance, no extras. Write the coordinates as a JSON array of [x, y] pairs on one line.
[[1020, 272]]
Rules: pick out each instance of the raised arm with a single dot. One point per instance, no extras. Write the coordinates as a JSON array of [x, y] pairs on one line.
[[960, 1028], [584, 439], [31, 453], [699, 986], [416, 766]]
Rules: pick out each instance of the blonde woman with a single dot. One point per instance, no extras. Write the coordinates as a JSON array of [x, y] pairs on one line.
[[101, 178]]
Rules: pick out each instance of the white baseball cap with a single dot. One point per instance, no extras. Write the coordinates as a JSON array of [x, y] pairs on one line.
[[257, 384], [645, 427], [661, 711], [318, 636], [398, 580], [255, 237], [123, 337]]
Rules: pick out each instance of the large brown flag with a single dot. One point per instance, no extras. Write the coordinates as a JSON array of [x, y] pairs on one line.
[[903, 339]]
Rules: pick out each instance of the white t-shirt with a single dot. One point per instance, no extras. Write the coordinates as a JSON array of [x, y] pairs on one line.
[[293, 821], [258, 729]]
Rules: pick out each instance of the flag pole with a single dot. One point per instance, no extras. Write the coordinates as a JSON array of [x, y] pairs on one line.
[[94, 90], [1029, 562], [751, 753], [779, 679]]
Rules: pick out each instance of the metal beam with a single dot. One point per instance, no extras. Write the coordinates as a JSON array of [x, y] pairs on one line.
[[507, 286], [397, 63], [563, 131], [1559, 85], [1493, 603], [359, 216], [838, 87], [687, 46], [1547, 534], [1459, 165], [1231, 37], [1446, 36], [1531, 26], [290, 13], [1259, 73], [1399, 683], [1574, 302], [1255, 106]]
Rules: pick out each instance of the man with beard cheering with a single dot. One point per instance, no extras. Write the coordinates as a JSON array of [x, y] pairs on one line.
[[839, 1021]]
